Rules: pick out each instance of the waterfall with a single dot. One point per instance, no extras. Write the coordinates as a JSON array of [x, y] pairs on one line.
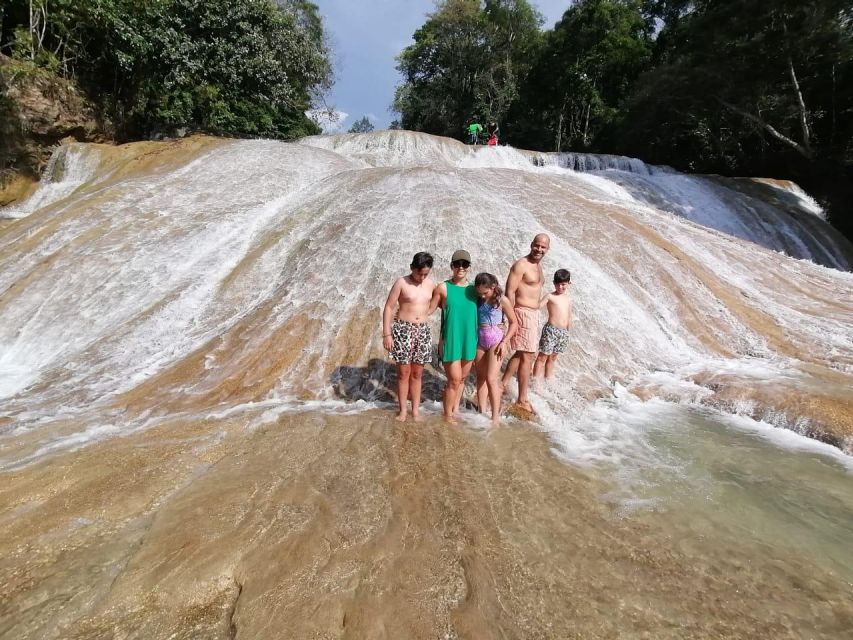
[[215, 273], [597, 162], [69, 167]]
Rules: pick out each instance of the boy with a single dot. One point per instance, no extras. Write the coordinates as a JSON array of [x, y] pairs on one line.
[[408, 338], [555, 334]]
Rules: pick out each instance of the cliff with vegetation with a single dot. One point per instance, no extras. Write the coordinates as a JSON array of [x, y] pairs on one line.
[[38, 109], [125, 70]]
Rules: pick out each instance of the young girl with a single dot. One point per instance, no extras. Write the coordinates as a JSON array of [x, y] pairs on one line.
[[497, 324]]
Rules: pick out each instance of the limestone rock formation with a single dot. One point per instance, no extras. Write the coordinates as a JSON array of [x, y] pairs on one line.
[[38, 110]]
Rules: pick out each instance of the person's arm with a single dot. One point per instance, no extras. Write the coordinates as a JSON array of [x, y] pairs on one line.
[[437, 300], [388, 314], [512, 326], [571, 314], [544, 301], [439, 296], [512, 282]]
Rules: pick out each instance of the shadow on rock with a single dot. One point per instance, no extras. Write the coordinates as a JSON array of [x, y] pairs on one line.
[[378, 382]]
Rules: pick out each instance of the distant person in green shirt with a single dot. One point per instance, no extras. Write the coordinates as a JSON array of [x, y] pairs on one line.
[[474, 131], [458, 301]]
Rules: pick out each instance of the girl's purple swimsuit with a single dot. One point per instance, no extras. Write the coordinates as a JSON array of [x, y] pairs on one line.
[[490, 320]]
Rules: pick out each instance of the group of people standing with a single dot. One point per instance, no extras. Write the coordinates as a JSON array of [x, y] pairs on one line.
[[479, 323]]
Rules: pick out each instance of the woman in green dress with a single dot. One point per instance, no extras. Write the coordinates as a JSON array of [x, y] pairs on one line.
[[458, 347]]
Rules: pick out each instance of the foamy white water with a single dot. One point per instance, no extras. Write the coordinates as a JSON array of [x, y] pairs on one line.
[[69, 167], [256, 271]]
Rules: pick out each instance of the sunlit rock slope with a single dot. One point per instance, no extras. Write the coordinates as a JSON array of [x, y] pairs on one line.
[[195, 276]]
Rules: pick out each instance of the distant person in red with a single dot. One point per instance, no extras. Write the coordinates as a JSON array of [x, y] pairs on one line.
[[493, 131]]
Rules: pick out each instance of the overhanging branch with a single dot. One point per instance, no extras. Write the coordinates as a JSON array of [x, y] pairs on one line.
[[805, 151]]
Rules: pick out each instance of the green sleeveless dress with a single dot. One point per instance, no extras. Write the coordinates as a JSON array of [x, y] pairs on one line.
[[459, 323]]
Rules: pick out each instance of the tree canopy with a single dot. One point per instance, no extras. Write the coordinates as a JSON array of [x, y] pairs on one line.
[[465, 64], [247, 67], [362, 125], [740, 80]]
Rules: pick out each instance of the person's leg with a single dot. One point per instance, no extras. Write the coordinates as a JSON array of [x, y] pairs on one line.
[[493, 369], [525, 364], [404, 372], [511, 368], [539, 366], [549, 366], [480, 366], [415, 390], [453, 370], [466, 369]]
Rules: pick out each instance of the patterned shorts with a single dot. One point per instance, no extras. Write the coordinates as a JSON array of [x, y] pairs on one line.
[[554, 340], [412, 342]]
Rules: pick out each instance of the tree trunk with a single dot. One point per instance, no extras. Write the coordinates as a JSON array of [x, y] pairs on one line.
[[559, 131], [560, 124], [32, 36], [43, 25], [834, 127], [804, 124]]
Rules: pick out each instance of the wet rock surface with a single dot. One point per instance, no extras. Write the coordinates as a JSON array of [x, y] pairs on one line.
[[313, 525]]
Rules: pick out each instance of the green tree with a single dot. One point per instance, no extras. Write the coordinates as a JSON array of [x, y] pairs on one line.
[[741, 79], [466, 62], [751, 87], [583, 75], [770, 71], [362, 125], [247, 67]]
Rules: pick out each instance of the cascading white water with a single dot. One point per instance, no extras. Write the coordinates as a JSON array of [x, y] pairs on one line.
[[256, 272], [69, 167], [780, 216], [191, 364], [599, 162]]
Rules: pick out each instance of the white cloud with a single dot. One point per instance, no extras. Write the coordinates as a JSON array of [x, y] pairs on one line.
[[329, 120]]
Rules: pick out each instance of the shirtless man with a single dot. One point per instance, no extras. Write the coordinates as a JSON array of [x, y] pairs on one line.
[[524, 290], [407, 336]]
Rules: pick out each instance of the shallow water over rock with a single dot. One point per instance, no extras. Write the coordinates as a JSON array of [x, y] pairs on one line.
[[190, 370], [322, 525]]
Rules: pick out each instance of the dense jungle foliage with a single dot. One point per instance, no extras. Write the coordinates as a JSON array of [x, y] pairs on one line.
[[738, 87], [242, 67]]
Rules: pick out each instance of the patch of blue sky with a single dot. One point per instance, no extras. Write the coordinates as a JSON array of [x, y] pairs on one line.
[[366, 36]]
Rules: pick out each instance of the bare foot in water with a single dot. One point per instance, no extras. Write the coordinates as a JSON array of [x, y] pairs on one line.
[[401, 417], [451, 419], [526, 406], [417, 417]]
